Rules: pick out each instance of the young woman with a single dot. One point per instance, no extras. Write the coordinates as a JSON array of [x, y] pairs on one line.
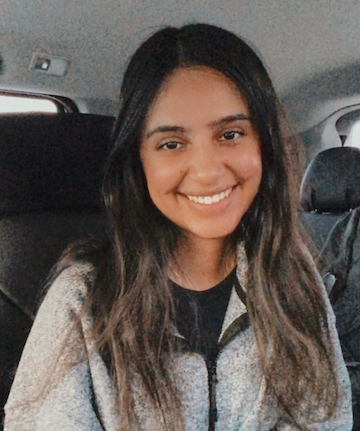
[[204, 309]]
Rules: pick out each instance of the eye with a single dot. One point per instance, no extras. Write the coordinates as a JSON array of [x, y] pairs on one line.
[[228, 136], [172, 145]]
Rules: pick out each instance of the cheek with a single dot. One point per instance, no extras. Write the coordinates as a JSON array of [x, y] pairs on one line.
[[161, 174], [250, 167], [256, 167], [160, 178]]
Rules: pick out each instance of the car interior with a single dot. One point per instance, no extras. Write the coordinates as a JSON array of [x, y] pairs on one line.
[[73, 53]]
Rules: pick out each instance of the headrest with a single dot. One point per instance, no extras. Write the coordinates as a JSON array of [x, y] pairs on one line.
[[332, 181], [52, 161]]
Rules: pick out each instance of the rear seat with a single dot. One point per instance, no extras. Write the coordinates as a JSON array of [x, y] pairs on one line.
[[330, 188], [50, 182], [330, 194]]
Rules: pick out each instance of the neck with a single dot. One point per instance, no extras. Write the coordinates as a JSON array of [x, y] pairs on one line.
[[202, 263]]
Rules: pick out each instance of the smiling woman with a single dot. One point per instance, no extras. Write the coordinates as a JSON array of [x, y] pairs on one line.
[[201, 154], [203, 309]]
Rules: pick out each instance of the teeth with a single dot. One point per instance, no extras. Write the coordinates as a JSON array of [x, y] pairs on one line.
[[208, 200]]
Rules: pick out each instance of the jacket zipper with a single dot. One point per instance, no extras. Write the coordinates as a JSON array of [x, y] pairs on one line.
[[237, 326], [212, 381]]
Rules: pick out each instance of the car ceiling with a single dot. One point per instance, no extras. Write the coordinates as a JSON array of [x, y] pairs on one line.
[[311, 47]]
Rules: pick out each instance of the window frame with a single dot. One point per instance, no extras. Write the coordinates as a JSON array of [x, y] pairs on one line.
[[63, 104]]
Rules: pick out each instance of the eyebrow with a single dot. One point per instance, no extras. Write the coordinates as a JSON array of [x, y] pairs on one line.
[[229, 119], [213, 124], [160, 129]]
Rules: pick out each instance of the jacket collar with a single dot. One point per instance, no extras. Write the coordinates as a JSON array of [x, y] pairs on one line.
[[236, 313]]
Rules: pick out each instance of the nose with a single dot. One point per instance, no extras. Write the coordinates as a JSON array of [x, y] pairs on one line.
[[207, 164]]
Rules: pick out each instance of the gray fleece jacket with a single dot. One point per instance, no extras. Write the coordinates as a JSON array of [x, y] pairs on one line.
[[83, 396]]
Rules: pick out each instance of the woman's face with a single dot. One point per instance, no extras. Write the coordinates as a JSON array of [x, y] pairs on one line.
[[200, 152]]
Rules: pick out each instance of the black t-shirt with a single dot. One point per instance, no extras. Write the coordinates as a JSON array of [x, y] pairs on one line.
[[199, 315]]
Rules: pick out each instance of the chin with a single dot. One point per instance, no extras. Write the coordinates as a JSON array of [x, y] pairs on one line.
[[214, 232]]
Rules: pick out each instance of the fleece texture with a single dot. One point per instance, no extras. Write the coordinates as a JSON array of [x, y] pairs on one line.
[[83, 397]]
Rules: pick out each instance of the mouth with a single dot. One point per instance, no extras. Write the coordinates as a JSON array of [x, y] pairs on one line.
[[208, 200]]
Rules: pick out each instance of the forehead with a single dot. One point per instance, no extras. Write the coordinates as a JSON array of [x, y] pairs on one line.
[[196, 94]]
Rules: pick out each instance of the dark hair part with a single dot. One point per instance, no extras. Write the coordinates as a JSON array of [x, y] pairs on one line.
[[131, 294]]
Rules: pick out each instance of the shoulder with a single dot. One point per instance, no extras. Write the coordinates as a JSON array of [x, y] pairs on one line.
[[62, 309], [69, 288], [80, 267], [56, 337]]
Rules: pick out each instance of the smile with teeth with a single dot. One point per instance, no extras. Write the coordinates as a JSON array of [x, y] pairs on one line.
[[208, 200]]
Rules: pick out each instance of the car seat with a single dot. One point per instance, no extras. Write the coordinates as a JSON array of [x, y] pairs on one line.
[[50, 195], [329, 189], [330, 194]]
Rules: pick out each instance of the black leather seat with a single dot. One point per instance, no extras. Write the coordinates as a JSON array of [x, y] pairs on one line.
[[330, 195], [330, 188], [50, 195]]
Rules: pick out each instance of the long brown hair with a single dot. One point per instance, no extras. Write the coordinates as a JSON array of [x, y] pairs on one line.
[[130, 295]]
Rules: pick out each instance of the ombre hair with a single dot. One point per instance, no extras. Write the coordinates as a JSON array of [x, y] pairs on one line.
[[130, 294]]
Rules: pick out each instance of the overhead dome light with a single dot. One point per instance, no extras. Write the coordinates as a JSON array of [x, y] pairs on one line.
[[49, 65]]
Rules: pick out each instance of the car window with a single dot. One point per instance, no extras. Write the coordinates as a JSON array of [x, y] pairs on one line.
[[18, 104], [354, 139]]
